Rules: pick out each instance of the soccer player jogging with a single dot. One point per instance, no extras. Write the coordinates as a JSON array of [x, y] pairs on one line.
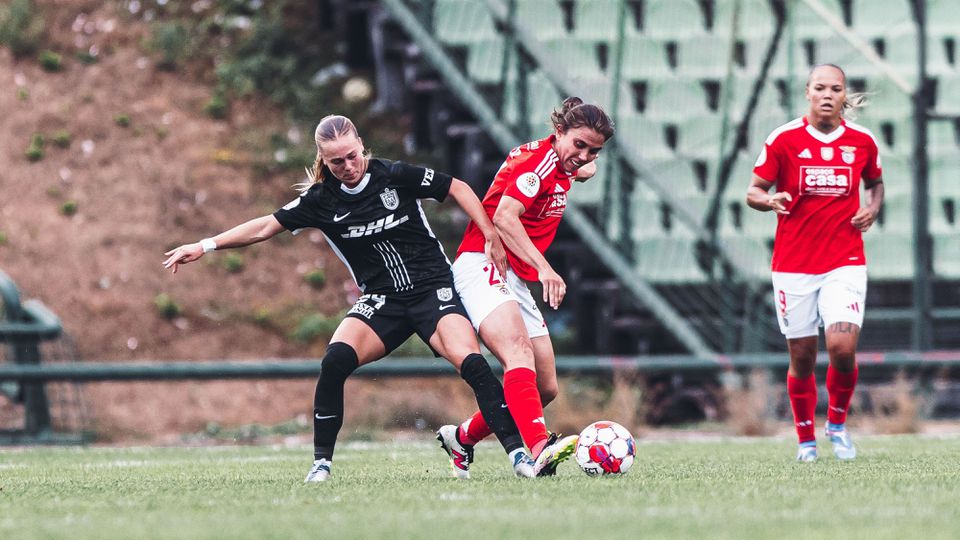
[[526, 202], [817, 164], [369, 210]]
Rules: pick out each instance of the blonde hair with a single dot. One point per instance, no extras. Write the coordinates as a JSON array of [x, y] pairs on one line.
[[853, 102], [331, 127]]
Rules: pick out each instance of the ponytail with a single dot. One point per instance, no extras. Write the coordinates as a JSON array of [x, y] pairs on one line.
[[574, 113]]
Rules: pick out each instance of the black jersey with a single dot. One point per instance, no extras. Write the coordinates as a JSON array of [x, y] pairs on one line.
[[378, 228]]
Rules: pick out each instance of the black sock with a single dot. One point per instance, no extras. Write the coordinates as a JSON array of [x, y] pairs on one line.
[[476, 371], [338, 363]]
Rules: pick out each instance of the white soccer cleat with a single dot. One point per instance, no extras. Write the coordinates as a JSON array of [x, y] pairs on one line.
[[523, 466], [843, 447], [555, 453], [320, 472], [807, 454], [461, 455]]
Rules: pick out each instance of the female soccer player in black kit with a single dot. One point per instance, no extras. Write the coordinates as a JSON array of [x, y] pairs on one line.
[[370, 213]]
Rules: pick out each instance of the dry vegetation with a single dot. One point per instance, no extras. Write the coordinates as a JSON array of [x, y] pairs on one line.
[[171, 175]]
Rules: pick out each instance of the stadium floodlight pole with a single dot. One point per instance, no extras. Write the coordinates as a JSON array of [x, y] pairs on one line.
[[636, 284]]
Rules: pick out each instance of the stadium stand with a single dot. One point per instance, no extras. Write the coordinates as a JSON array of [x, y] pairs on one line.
[[687, 84]]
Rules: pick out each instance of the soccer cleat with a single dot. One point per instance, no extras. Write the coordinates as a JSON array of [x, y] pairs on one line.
[[320, 472], [461, 455], [523, 465], [843, 447], [807, 453], [554, 453]]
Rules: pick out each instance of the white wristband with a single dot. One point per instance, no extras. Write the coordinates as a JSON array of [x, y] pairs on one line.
[[208, 245]]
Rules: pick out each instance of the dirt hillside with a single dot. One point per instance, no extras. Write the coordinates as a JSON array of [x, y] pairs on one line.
[[170, 175]]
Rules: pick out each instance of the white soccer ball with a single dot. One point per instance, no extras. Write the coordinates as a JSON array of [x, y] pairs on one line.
[[605, 448]]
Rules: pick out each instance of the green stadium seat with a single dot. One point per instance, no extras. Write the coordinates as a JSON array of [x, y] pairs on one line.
[[600, 91], [543, 18], [460, 22], [790, 59], [647, 219], [881, 17], [673, 19], [595, 20], [751, 254], [897, 174], [889, 255], [948, 94], [668, 260], [485, 60], [755, 17], [705, 56], [768, 104], [837, 50], [739, 181], [644, 58], [699, 137], [946, 255], [675, 99], [898, 212], [942, 18], [757, 224], [579, 58], [807, 23], [646, 135], [944, 177], [678, 177], [887, 98]]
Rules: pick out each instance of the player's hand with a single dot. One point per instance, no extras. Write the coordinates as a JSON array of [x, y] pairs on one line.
[[586, 172], [863, 219], [494, 250], [554, 289], [182, 255], [776, 202]]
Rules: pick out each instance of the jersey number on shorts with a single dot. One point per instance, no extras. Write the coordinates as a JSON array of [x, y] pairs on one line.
[[494, 275]]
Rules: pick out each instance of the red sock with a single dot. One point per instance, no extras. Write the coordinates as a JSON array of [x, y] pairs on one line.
[[803, 401], [474, 430], [523, 398], [840, 387]]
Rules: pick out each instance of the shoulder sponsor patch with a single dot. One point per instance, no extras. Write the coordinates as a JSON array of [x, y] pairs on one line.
[[427, 177], [528, 184]]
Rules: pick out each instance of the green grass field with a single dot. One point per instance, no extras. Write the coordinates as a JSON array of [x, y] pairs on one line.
[[900, 487]]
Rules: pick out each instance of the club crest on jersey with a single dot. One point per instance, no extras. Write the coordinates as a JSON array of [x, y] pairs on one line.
[[390, 199], [445, 294], [847, 154], [826, 152]]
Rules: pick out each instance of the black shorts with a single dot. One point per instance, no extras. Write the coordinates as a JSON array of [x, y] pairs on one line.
[[395, 318]]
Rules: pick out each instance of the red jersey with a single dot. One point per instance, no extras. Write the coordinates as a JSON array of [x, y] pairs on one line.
[[822, 172], [530, 175]]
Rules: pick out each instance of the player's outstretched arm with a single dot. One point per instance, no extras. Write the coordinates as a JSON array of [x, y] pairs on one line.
[[467, 199], [759, 198], [251, 232], [507, 221]]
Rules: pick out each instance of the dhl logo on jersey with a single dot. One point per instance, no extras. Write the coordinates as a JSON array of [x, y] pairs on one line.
[[827, 181]]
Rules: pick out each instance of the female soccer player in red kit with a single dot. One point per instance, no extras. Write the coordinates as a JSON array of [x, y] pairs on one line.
[[817, 164], [526, 202]]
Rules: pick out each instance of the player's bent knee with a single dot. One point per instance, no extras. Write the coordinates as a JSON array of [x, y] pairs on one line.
[[339, 362], [548, 392]]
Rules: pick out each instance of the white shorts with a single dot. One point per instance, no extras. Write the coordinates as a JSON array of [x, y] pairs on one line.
[[805, 302], [483, 289]]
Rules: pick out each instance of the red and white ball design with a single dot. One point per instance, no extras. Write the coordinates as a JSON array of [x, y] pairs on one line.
[[605, 448]]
